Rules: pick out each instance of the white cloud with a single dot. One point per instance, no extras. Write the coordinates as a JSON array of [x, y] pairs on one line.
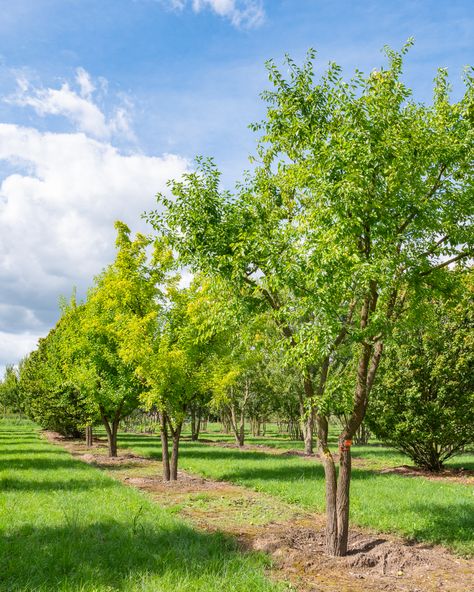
[[241, 13], [59, 199], [57, 217], [77, 106], [14, 346], [84, 81]]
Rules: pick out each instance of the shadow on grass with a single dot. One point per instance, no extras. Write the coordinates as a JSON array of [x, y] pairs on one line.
[[451, 525], [32, 452], [113, 555], [458, 462], [283, 467], [14, 484], [18, 437], [37, 463]]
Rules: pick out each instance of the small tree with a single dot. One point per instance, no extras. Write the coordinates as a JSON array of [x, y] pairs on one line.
[[171, 357], [10, 394], [123, 293], [49, 396], [424, 402]]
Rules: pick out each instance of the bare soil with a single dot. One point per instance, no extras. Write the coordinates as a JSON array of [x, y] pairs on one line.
[[294, 539]]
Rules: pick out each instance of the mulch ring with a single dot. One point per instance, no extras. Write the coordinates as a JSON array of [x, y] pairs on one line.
[[375, 562], [464, 476]]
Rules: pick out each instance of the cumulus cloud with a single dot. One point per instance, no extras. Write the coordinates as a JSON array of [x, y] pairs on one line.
[[78, 106], [241, 13], [14, 346], [59, 198]]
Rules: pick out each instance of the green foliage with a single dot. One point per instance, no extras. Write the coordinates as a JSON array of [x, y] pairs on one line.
[[10, 395], [48, 395], [424, 404], [358, 184]]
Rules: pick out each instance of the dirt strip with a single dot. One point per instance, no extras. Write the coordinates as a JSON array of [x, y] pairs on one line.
[[294, 539]]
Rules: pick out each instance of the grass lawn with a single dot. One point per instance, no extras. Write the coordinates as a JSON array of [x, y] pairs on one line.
[[66, 526], [432, 511], [376, 454]]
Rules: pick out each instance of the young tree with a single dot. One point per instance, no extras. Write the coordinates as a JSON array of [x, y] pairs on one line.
[[49, 396], [10, 396], [362, 197], [424, 402], [170, 356], [123, 293]]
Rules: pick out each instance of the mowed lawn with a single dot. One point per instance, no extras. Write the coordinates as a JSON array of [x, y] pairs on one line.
[[415, 507], [66, 526]]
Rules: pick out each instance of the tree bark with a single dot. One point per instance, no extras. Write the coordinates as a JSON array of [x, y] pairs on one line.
[[176, 434], [225, 421], [307, 419], [111, 427], [337, 490], [308, 433], [238, 425], [165, 457], [195, 424], [89, 436]]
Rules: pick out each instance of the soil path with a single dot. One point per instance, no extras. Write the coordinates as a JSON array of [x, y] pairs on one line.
[[294, 539]]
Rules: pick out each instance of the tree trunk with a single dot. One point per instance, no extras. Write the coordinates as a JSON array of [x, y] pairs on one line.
[[195, 424], [308, 433], [238, 425], [307, 417], [89, 436], [226, 424], [361, 437], [165, 457], [176, 434], [337, 491], [111, 436]]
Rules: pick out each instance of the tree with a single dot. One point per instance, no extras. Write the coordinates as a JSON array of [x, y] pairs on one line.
[[424, 402], [123, 293], [49, 396], [171, 357], [361, 197], [10, 396]]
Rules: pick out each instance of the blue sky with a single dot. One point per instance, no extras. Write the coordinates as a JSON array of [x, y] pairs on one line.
[[102, 100]]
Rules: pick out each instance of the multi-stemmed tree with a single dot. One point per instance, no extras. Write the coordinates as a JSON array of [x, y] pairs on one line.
[[360, 198]]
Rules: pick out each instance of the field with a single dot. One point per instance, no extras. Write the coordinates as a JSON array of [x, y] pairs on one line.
[[246, 520], [66, 526], [431, 510]]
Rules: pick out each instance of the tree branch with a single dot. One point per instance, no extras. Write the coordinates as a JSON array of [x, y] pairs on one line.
[[430, 194], [458, 257]]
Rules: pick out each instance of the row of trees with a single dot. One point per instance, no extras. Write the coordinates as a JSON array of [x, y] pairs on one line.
[[330, 272]]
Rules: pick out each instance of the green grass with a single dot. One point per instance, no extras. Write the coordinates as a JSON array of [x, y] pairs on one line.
[[66, 526], [431, 511], [376, 454]]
